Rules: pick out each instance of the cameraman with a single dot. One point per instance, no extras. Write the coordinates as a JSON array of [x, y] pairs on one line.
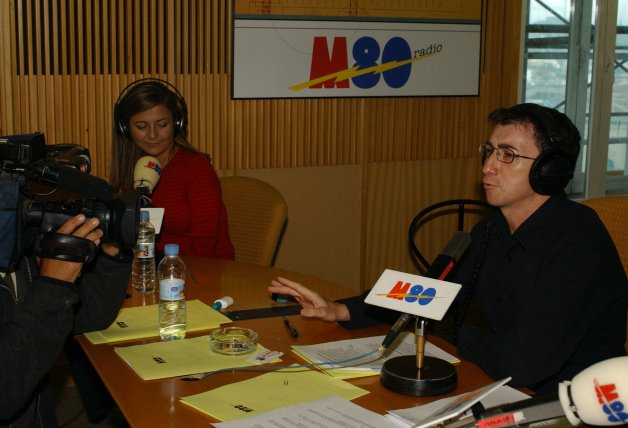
[[51, 299]]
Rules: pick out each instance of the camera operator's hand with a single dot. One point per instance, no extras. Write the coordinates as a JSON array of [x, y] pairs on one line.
[[69, 271], [110, 248]]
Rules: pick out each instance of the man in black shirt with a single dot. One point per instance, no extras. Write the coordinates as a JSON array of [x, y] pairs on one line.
[[544, 292]]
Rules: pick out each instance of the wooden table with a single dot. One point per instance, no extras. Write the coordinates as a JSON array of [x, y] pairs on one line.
[[156, 403]]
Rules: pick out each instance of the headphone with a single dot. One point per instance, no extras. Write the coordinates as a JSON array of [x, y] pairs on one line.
[[179, 116], [553, 168]]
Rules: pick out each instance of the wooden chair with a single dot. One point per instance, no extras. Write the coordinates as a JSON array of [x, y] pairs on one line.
[[612, 211], [257, 214]]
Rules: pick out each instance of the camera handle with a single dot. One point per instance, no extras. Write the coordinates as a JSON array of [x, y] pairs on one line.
[[64, 247]]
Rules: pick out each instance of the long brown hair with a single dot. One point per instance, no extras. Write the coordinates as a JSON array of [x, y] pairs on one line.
[[124, 152]]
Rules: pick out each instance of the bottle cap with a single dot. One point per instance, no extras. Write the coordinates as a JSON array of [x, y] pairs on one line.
[[171, 249], [144, 215], [222, 303]]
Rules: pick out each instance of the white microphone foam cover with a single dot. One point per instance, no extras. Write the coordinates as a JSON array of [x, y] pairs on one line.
[[147, 173], [599, 394]]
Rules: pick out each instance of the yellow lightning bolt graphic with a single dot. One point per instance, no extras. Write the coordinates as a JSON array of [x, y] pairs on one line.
[[402, 295], [354, 72]]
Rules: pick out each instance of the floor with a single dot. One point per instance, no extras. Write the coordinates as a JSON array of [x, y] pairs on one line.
[[70, 411]]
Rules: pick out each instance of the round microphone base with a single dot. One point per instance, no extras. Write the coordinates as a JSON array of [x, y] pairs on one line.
[[400, 375]]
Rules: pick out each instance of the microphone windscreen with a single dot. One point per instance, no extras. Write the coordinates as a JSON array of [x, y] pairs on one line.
[[147, 173], [597, 395], [79, 182]]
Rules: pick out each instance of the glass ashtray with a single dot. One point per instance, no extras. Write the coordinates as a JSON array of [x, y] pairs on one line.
[[233, 340]]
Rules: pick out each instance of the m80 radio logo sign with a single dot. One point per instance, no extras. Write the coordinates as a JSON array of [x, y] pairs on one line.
[[413, 294], [370, 63], [353, 58]]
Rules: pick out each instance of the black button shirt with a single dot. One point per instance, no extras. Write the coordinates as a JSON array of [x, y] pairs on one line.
[[552, 297]]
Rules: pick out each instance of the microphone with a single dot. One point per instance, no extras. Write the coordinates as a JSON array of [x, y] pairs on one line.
[[147, 173], [598, 395], [70, 178], [440, 268]]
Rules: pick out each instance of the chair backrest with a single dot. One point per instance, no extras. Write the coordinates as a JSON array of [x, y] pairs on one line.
[[462, 208], [612, 211], [257, 214]]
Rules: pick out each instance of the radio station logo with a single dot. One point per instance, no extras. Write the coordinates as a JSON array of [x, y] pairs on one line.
[[391, 63], [411, 293], [611, 403], [154, 166]]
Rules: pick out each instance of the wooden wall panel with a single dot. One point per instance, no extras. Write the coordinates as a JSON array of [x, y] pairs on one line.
[[295, 133], [65, 62], [432, 9], [397, 191], [66, 85]]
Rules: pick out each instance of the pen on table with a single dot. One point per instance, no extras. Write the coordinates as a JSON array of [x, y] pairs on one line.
[[293, 331]]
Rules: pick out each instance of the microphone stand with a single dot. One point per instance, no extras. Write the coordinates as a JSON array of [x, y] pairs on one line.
[[422, 375], [419, 375], [419, 332]]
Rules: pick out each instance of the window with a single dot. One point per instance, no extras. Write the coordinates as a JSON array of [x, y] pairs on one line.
[[566, 45]]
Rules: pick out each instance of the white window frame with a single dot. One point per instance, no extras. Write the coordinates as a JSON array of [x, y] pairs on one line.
[[596, 181]]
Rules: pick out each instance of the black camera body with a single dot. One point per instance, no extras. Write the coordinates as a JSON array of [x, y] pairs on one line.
[[30, 216]]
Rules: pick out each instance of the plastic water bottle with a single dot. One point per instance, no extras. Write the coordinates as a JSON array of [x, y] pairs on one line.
[[172, 317], [143, 274]]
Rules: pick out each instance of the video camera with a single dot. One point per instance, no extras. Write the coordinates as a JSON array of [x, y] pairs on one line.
[[28, 214]]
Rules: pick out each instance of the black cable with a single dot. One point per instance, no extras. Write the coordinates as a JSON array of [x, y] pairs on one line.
[[470, 286]]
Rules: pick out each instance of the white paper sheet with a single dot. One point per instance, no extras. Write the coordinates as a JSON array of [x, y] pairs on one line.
[[329, 412]]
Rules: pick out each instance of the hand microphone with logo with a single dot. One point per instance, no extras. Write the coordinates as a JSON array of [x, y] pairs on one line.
[[598, 396], [146, 174]]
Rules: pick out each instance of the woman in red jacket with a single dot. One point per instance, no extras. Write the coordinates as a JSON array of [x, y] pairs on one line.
[[151, 119]]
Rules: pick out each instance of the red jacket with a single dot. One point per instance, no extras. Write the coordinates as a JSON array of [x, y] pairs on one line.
[[195, 216]]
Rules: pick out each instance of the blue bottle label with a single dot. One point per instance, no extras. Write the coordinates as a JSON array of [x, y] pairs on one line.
[[145, 251], [171, 289]]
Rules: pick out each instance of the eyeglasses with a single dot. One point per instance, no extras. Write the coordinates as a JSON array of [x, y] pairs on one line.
[[503, 154]]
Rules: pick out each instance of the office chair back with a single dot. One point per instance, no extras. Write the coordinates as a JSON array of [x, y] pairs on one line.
[[463, 209], [257, 214], [612, 211]]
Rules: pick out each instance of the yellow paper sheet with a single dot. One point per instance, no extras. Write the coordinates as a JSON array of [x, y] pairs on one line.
[[141, 322], [179, 357], [270, 391]]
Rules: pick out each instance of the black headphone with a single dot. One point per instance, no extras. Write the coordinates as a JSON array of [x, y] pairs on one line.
[[553, 168], [180, 115]]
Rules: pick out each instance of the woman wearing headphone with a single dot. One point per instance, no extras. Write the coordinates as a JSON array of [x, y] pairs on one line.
[[150, 120]]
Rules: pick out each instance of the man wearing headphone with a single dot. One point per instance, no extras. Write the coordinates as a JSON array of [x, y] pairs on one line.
[[544, 292], [151, 119]]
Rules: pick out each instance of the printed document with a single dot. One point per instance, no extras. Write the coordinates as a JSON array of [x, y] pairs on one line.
[[437, 412], [329, 352], [328, 412]]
